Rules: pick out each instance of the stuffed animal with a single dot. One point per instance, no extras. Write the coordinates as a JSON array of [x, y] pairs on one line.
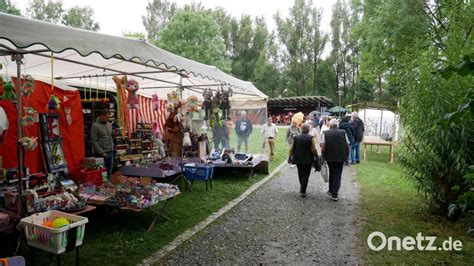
[[207, 103], [132, 87], [225, 103], [186, 140], [29, 143], [29, 85], [192, 104], [173, 99], [31, 116], [8, 91], [216, 103], [154, 103]]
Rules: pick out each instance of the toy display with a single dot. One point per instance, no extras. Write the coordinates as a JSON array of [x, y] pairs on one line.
[[132, 88], [8, 91], [216, 104], [207, 103], [28, 86], [191, 104], [225, 103]]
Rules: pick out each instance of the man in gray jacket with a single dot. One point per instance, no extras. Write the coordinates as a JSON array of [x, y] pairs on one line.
[[102, 141]]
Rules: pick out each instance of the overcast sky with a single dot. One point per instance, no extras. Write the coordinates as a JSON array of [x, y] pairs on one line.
[[118, 16]]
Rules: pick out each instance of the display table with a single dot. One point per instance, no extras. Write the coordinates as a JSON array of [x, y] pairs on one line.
[[152, 170], [371, 140], [160, 213], [87, 209]]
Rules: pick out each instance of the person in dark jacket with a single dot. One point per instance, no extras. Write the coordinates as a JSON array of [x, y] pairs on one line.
[[102, 141], [302, 153], [358, 131], [346, 125], [335, 151], [243, 129]]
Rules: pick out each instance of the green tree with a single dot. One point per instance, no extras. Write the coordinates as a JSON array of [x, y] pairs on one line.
[[52, 11], [80, 17], [295, 34], [136, 35], [7, 7], [195, 35], [158, 14]]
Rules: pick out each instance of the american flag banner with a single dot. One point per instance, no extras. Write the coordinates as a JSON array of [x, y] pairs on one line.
[[146, 114]]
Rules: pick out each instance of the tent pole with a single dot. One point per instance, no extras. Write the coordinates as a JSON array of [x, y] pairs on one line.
[[18, 59]]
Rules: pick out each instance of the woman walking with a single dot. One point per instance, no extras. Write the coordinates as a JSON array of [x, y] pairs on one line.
[[302, 153], [292, 132]]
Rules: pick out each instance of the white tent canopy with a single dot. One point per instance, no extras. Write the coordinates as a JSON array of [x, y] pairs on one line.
[[78, 58]]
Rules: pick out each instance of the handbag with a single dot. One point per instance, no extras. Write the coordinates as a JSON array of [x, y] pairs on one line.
[[325, 172], [316, 164]]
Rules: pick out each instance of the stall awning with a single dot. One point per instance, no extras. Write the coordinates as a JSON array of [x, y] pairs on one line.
[[103, 55]]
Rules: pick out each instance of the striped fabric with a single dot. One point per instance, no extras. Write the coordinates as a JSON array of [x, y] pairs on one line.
[[146, 114]]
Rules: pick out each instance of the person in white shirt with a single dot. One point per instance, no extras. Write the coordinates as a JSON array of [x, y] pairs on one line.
[[269, 132]]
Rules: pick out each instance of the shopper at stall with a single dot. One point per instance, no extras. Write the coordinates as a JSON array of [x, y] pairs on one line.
[[220, 136], [303, 153], [270, 131], [243, 129], [335, 151], [102, 141]]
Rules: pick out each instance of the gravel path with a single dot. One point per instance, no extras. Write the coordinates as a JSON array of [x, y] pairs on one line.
[[274, 225]]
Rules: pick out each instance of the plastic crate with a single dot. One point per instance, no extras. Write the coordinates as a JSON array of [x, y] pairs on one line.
[[198, 171], [89, 176], [54, 240]]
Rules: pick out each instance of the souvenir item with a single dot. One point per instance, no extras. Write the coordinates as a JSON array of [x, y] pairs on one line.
[[225, 103], [8, 91], [154, 102], [29, 143], [53, 103], [207, 103], [132, 100], [192, 104], [67, 106], [29, 85]]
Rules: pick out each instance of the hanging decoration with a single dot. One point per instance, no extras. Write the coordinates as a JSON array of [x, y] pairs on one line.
[[67, 106], [216, 104], [53, 104], [155, 102], [31, 116], [28, 85], [29, 143], [225, 102], [192, 104], [132, 100], [8, 91], [122, 112], [207, 103]]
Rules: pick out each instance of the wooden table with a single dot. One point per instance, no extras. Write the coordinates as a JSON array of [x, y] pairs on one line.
[[371, 140], [87, 209]]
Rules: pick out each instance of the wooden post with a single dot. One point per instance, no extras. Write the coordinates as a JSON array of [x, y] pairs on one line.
[[364, 152]]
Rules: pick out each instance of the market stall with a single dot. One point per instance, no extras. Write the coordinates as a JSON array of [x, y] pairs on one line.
[[49, 70]]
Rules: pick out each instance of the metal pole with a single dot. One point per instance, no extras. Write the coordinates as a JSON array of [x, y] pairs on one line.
[[18, 59]]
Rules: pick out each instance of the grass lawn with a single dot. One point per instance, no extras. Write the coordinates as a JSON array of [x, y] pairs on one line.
[[121, 238], [390, 204]]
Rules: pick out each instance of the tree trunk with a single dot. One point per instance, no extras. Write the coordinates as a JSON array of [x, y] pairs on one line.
[[315, 69], [380, 89]]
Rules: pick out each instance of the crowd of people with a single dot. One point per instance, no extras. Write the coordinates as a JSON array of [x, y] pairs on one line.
[[325, 140]]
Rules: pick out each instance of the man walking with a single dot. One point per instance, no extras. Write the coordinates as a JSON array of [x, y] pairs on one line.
[[302, 153], [335, 150], [243, 129], [102, 141], [358, 131], [269, 131]]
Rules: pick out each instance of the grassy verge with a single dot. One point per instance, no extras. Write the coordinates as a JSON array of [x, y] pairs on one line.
[[121, 238], [390, 204]]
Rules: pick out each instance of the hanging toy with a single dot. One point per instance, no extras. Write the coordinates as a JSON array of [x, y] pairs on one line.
[[67, 106], [173, 100], [225, 104], [8, 91], [207, 103], [52, 129], [192, 104], [216, 103], [29, 143], [53, 104], [155, 103], [30, 118], [132, 87], [186, 140], [29, 85]]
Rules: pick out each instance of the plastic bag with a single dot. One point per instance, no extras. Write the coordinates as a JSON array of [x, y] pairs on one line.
[[325, 172]]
